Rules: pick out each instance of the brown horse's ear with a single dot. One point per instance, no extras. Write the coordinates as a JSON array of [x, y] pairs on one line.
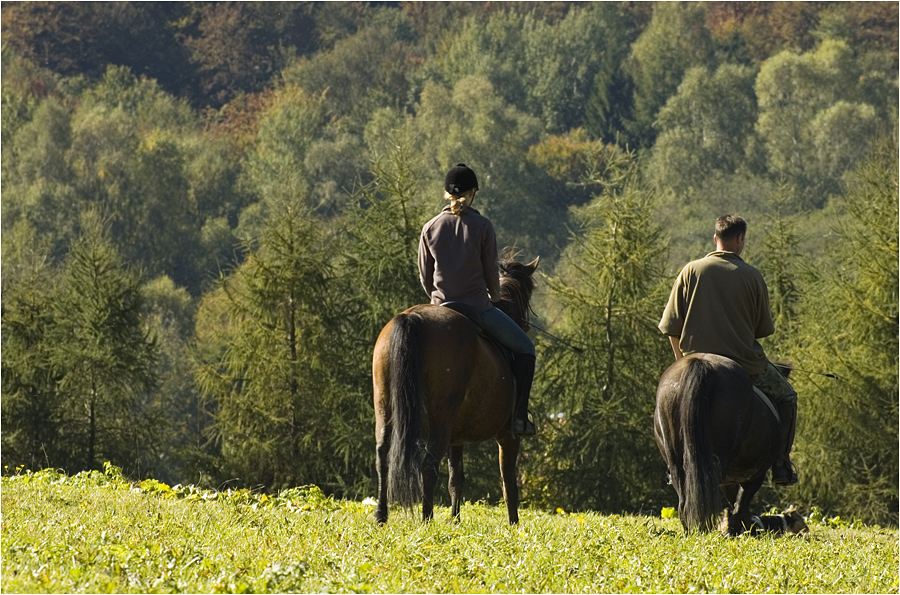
[[533, 265]]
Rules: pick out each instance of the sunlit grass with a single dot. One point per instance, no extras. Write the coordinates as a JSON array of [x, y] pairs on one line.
[[100, 533]]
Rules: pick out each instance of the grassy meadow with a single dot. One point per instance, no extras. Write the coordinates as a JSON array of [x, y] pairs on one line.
[[97, 532]]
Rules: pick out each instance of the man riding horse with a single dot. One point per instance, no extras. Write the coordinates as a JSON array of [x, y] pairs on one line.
[[458, 262], [720, 304]]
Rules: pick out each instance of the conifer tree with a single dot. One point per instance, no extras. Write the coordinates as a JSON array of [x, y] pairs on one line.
[[609, 289], [272, 339], [30, 400], [383, 232], [782, 267], [848, 431], [104, 355]]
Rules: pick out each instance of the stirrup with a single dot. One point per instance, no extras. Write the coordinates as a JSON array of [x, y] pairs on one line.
[[785, 476], [524, 427]]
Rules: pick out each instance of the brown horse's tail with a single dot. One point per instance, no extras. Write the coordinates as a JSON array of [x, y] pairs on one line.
[[404, 463], [702, 471]]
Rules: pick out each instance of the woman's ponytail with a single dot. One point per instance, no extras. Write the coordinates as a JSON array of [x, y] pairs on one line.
[[459, 203]]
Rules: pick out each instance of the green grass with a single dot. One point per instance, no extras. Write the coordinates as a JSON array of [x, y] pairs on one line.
[[97, 532]]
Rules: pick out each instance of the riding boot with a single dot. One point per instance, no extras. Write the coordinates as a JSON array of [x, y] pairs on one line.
[[783, 473], [523, 372]]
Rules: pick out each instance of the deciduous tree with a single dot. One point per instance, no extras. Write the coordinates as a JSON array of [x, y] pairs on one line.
[[676, 39], [703, 129]]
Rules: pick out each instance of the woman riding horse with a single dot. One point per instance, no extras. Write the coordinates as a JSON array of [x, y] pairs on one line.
[[437, 380], [458, 263], [439, 383]]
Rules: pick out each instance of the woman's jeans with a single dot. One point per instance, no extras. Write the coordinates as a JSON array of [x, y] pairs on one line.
[[505, 330]]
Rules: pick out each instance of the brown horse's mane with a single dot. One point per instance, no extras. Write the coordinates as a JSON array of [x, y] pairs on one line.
[[516, 287]]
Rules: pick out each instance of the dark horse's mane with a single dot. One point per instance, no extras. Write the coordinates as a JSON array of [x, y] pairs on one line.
[[516, 287]]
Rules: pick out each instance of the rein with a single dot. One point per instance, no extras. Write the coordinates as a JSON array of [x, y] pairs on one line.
[[560, 340], [518, 296]]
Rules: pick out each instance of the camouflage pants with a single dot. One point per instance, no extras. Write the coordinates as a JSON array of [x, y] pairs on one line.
[[774, 385]]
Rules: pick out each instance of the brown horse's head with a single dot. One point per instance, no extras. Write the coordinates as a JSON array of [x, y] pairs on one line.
[[516, 287]]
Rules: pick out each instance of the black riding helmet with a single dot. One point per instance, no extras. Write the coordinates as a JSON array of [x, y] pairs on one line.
[[460, 179]]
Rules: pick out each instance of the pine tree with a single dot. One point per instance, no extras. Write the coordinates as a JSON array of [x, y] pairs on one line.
[[782, 267], [270, 369], [383, 232]]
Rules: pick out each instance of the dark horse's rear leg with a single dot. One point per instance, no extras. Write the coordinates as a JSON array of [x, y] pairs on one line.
[[457, 480], [509, 453], [740, 496]]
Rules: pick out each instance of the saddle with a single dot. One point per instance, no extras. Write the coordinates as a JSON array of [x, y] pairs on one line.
[[470, 313], [768, 402]]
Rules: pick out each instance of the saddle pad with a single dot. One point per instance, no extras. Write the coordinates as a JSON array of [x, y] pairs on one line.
[[768, 402]]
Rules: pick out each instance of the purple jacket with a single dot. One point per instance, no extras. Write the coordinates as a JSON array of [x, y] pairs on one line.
[[458, 259]]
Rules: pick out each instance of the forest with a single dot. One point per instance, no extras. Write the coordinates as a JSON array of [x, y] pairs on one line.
[[210, 210]]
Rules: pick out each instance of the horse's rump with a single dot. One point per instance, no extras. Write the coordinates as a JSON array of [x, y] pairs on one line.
[[428, 359], [694, 397]]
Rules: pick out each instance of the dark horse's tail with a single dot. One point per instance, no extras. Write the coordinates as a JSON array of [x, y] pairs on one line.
[[702, 472], [404, 463]]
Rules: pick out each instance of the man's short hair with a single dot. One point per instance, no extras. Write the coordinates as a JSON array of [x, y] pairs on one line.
[[730, 226]]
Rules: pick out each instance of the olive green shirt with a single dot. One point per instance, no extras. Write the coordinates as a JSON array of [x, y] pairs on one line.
[[720, 304]]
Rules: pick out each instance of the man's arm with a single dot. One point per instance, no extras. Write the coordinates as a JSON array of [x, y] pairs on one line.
[[676, 347]]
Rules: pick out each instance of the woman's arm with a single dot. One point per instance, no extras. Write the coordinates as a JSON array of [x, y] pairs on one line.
[[490, 264], [426, 267]]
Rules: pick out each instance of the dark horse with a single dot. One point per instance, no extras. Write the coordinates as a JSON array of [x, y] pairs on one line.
[[714, 432], [438, 381]]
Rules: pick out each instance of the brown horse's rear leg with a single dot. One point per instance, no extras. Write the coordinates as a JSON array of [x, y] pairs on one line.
[[457, 480], [509, 453], [382, 447], [434, 452]]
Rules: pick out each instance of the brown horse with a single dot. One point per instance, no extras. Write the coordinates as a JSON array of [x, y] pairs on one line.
[[714, 433], [439, 382]]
